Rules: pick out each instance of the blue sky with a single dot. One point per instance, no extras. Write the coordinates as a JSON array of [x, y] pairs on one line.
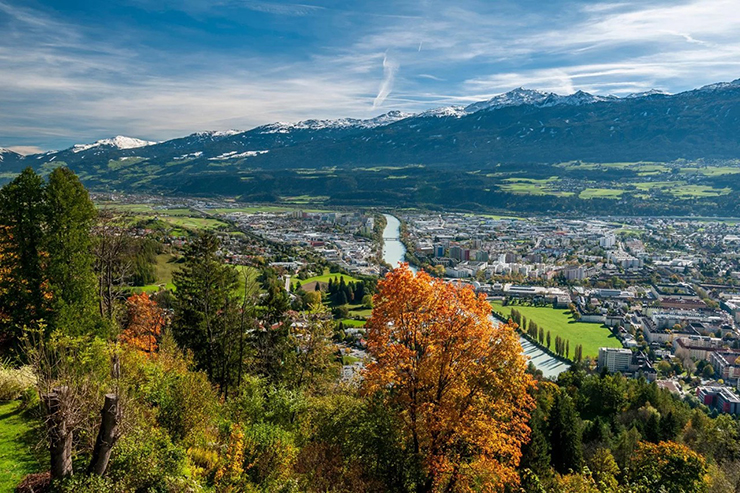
[[77, 71]]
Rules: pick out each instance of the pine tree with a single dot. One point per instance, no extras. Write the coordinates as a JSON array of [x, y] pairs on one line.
[[69, 219], [565, 435], [204, 304], [23, 290], [548, 339]]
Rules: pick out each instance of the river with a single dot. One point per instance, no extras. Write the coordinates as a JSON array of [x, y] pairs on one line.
[[394, 252]]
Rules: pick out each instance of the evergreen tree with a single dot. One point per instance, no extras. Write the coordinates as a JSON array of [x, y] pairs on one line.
[[565, 435], [204, 290], [22, 277], [69, 244], [548, 339], [536, 454]]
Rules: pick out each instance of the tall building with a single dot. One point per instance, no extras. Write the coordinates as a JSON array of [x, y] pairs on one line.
[[608, 241], [456, 252], [615, 359]]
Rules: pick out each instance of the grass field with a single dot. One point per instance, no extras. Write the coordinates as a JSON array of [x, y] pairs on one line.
[[348, 322], [326, 276], [560, 322], [600, 193], [16, 442]]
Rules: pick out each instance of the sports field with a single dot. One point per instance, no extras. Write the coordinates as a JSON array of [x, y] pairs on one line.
[[560, 322]]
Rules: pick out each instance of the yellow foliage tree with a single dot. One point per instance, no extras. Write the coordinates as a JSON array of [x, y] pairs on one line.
[[457, 381], [144, 323]]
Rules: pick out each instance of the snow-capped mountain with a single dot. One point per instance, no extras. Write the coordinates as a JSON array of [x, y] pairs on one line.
[[444, 112], [520, 126], [118, 142], [647, 94], [341, 123]]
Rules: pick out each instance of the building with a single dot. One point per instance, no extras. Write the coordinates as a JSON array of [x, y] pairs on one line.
[[615, 359], [608, 241], [725, 364], [720, 398], [456, 252]]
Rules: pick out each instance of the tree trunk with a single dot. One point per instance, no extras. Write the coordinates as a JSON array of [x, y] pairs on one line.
[[107, 435], [60, 435]]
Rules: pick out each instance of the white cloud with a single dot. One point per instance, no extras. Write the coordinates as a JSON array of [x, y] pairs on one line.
[[390, 67]]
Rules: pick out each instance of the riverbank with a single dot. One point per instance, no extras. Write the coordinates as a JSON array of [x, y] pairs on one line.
[[542, 358]]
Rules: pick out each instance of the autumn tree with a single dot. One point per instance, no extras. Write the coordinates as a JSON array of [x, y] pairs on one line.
[[144, 321], [457, 382]]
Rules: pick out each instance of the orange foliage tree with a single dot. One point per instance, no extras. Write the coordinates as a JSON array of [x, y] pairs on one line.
[[144, 323], [457, 381]]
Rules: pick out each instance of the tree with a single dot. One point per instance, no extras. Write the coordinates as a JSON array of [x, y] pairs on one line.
[[144, 321], [204, 305], [667, 466], [311, 336], [24, 292], [69, 244], [565, 435], [457, 382], [548, 339]]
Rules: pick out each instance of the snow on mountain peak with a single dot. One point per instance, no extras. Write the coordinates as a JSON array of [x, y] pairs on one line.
[[646, 94], [721, 85], [313, 124], [446, 111], [516, 97], [119, 141]]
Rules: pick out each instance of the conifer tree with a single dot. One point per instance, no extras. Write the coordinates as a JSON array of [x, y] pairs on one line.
[[565, 435], [23, 287], [69, 244], [204, 290]]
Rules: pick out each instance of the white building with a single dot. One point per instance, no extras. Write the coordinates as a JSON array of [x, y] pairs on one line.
[[615, 359]]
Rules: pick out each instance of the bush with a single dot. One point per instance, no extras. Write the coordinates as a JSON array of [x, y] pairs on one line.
[[83, 483], [15, 381], [146, 460]]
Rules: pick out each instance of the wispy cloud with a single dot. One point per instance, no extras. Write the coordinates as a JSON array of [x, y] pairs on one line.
[[390, 67], [292, 9]]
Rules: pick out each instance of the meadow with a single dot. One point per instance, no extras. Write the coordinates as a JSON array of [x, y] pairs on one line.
[[560, 322], [17, 440]]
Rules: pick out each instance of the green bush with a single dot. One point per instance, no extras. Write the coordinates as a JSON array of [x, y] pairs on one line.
[[146, 460], [83, 483], [15, 381]]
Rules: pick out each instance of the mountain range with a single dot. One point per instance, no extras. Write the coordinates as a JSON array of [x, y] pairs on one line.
[[524, 130]]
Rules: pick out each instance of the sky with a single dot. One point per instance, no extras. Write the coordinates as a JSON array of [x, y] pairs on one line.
[[78, 71]]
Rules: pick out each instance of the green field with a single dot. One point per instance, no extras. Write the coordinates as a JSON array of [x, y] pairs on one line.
[[348, 322], [326, 276], [560, 322], [16, 442], [600, 193]]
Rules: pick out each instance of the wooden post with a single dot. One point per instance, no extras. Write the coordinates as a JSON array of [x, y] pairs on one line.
[[60, 435], [107, 435]]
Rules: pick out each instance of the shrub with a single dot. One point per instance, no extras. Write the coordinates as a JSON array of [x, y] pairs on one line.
[[15, 381], [83, 483], [146, 460]]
